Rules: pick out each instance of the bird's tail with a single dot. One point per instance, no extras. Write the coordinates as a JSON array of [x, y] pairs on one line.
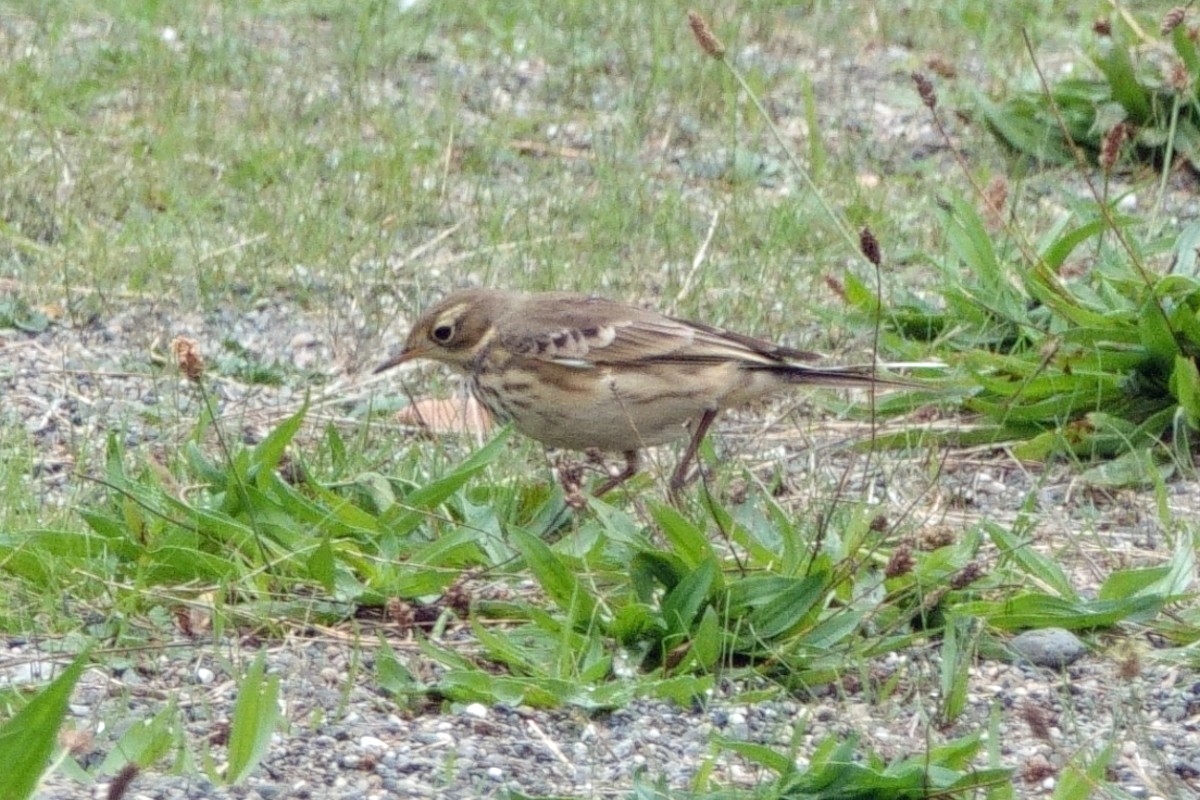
[[861, 376]]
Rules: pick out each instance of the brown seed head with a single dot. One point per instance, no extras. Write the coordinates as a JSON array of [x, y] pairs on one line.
[[122, 781], [458, 597], [1172, 19], [1178, 78], [1110, 147], [870, 246], [941, 67], [570, 478], [901, 562], [936, 536], [966, 576], [1129, 664], [1037, 719], [1037, 769], [995, 198], [188, 358], [836, 286], [399, 613], [1102, 27], [76, 742], [925, 90], [705, 37]]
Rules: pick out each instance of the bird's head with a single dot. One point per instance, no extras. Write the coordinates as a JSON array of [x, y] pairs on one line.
[[453, 331]]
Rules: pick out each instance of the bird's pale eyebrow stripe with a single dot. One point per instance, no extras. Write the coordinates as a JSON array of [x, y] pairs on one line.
[[451, 316]]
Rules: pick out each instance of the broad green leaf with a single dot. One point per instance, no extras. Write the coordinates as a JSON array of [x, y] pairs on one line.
[[145, 741], [205, 470], [1019, 124], [955, 670], [689, 542], [1033, 563], [336, 446], [270, 450], [1134, 468], [255, 717], [1170, 582], [393, 677], [682, 690], [834, 628], [1081, 777], [410, 512], [324, 510], [1114, 61], [458, 548], [634, 622], [707, 642], [555, 578], [1034, 610], [512, 651], [185, 563], [651, 569], [29, 737], [681, 605], [1130, 582], [1185, 48], [1156, 336], [1185, 385], [322, 566], [790, 608], [774, 760]]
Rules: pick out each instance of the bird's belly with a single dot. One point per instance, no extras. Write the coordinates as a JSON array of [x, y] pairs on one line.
[[599, 409]]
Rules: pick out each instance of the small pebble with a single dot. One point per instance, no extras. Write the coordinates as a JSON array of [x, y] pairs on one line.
[[372, 744]]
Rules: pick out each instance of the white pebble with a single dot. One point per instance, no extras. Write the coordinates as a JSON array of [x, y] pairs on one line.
[[476, 710], [204, 676], [372, 743]]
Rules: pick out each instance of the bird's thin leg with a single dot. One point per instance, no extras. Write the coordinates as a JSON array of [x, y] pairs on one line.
[[679, 476], [633, 462]]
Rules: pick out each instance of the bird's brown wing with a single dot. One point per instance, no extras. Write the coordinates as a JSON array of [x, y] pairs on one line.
[[576, 331], [710, 335]]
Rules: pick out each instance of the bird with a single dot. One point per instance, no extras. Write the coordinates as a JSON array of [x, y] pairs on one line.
[[586, 373]]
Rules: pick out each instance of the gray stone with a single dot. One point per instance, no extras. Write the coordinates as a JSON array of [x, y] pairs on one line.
[[1048, 647]]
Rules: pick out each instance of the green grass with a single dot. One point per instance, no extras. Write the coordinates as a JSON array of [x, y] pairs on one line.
[[354, 161]]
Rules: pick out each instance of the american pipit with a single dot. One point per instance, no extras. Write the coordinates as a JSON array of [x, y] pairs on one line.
[[585, 373]]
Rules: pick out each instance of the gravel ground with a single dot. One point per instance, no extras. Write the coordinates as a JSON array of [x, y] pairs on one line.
[[344, 738]]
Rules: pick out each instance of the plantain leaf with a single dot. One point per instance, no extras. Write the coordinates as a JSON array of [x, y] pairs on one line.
[[1185, 386], [28, 738], [684, 602], [255, 717]]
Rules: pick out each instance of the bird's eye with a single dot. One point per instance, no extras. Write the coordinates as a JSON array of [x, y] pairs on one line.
[[442, 333]]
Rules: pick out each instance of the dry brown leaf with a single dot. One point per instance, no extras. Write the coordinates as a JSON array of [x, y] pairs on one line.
[[447, 416]]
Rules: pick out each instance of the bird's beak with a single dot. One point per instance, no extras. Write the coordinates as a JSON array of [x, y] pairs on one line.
[[404, 355]]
